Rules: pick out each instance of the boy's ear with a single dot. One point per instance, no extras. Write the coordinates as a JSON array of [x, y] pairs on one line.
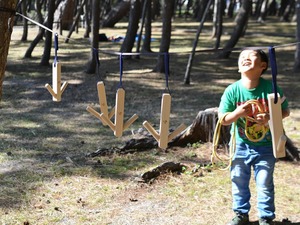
[[264, 65]]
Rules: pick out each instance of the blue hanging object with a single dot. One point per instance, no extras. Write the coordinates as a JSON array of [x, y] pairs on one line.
[[167, 60], [121, 70], [56, 48], [273, 64]]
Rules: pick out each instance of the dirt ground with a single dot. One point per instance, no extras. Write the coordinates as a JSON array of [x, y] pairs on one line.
[[46, 177]]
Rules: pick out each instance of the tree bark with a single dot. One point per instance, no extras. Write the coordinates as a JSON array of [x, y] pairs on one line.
[[75, 21], [168, 10], [91, 65], [7, 12], [41, 31], [25, 22], [148, 26], [48, 40], [239, 28], [297, 52], [195, 43], [133, 24], [87, 19], [117, 13]]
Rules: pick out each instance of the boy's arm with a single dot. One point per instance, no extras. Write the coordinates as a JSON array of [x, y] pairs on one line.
[[285, 113], [240, 111]]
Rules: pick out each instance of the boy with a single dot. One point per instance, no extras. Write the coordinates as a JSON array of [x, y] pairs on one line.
[[255, 151]]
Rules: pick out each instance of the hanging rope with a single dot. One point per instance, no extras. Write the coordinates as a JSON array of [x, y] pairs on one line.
[[167, 71], [273, 63], [55, 48], [121, 70]]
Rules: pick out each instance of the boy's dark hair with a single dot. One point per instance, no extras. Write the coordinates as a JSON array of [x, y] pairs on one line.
[[264, 58]]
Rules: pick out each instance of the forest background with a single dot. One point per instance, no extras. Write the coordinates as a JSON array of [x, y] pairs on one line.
[[49, 174]]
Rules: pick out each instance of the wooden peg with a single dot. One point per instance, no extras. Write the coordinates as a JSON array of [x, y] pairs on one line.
[[57, 89], [163, 137], [103, 105], [102, 100], [276, 126], [119, 113], [164, 120], [118, 126]]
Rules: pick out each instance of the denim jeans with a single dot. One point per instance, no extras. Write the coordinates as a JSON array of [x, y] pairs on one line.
[[263, 163]]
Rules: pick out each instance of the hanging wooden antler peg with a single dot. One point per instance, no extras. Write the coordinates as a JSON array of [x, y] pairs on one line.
[[57, 89], [102, 103], [163, 137]]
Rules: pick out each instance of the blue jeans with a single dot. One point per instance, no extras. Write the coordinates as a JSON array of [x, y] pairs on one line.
[[263, 163]]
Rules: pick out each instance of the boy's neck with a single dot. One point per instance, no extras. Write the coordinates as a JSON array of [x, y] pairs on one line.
[[250, 83]]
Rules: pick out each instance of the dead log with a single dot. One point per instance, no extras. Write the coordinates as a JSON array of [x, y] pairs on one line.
[[162, 169]]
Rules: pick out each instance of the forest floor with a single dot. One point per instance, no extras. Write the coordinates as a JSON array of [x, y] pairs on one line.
[[46, 176]]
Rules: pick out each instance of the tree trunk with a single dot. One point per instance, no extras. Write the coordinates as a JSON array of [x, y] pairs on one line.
[[230, 10], [91, 66], [133, 24], [7, 12], [191, 58], [219, 23], [297, 52], [155, 9], [48, 40], [25, 22], [41, 31], [288, 11], [140, 32], [148, 26], [117, 13], [75, 21], [87, 19], [168, 10], [63, 15], [262, 13], [239, 28]]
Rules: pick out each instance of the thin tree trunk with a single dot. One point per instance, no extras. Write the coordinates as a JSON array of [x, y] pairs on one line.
[[6, 26], [241, 23], [41, 31], [133, 24], [117, 13], [168, 9], [191, 58], [48, 40], [25, 22], [140, 34], [75, 21], [91, 66], [148, 25], [297, 52], [87, 19]]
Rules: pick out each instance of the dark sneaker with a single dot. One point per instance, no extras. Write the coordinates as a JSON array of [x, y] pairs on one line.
[[265, 221], [240, 219]]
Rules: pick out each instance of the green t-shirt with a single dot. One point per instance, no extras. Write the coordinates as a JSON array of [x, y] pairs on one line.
[[235, 95]]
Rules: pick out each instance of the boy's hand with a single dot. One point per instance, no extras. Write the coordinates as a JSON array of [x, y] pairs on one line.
[[243, 110], [262, 118]]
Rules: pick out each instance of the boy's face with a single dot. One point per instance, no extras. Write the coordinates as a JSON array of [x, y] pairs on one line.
[[250, 63]]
